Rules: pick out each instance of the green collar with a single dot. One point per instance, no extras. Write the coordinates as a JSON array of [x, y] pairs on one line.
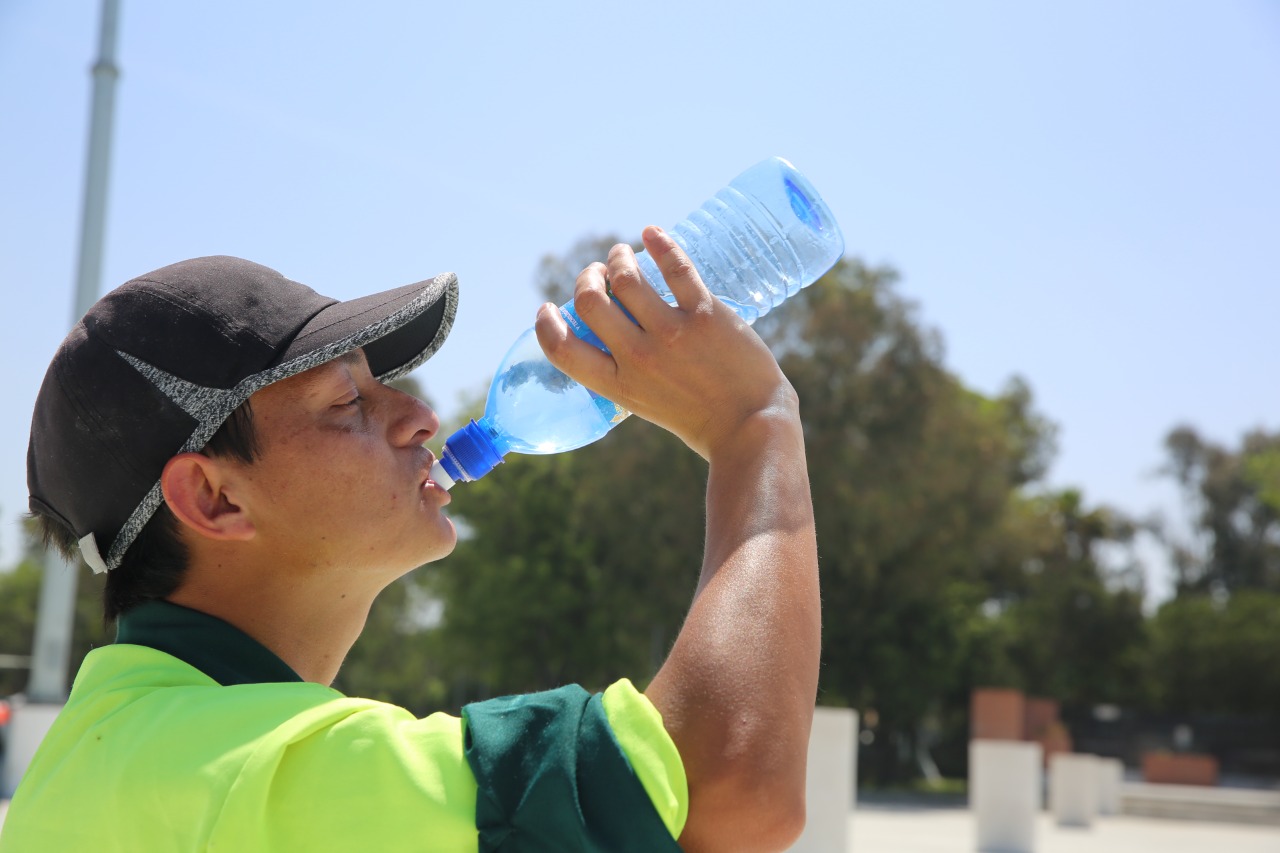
[[219, 650]]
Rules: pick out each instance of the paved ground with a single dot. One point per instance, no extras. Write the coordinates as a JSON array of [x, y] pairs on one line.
[[907, 829]]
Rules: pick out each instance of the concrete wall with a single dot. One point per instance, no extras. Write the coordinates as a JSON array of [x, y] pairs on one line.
[[830, 781]]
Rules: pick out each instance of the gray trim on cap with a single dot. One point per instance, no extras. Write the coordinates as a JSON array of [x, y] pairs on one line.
[[212, 406]]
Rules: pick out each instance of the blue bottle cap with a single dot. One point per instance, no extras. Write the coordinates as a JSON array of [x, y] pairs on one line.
[[470, 453]]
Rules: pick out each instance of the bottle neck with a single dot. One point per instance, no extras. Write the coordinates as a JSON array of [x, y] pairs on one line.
[[473, 451]]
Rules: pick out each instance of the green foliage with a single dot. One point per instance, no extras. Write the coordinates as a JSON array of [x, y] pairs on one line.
[[579, 567], [19, 592], [1262, 472], [1078, 638], [556, 274], [912, 477], [576, 567], [1235, 494], [19, 597], [1218, 654], [398, 657]]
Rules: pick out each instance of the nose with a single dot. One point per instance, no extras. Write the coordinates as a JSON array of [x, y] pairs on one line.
[[415, 423]]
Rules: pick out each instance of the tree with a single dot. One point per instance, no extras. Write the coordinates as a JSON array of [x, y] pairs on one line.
[[942, 566], [399, 657], [912, 475], [19, 595], [576, 567], [1218, 655], [1235, 501], [556, 274], [1078, 627], [580, 566]]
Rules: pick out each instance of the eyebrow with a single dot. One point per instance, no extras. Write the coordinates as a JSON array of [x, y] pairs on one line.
[[319, 378]]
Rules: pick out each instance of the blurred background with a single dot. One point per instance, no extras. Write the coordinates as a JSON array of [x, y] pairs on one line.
[[1039, 391]]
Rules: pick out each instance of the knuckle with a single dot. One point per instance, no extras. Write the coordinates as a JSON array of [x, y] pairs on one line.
[[678, 264], [625, 279], [555, 352], [589, 301], [593, 272], [706, 309]]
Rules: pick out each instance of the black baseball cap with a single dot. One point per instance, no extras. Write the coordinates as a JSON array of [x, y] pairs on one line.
[[158, 364]]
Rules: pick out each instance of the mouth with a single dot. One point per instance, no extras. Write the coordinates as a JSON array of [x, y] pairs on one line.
[[428, 484]]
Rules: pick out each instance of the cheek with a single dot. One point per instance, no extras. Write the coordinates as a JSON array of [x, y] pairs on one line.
[[304, 486], [342, 474], [367, 486]]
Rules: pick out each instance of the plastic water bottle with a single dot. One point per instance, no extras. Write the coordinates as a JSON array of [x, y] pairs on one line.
[[756, 242]]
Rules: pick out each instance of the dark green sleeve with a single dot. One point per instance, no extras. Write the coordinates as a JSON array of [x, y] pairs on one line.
[[552, 779]]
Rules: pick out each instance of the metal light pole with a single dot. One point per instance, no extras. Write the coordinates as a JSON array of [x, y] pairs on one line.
[[52, 647], [51, 652]]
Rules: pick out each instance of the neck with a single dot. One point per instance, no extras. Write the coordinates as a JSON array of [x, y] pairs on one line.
[[308, 623]]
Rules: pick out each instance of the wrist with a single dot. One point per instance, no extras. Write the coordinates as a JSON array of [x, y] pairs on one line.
[[772, 431]]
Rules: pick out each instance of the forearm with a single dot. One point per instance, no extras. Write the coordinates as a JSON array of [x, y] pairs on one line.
[[738, 689]]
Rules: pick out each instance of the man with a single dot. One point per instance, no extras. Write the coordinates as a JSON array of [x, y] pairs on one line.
[[220, 441]]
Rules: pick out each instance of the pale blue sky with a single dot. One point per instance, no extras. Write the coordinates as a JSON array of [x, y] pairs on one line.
[[1085, 194]]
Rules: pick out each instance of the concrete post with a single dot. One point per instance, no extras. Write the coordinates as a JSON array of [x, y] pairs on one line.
[[830, 781], [27, 729], [1004, 794], [1110, 776], [1073, 788]]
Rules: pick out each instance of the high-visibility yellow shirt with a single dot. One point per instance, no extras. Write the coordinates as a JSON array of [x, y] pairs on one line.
[[213, 743]]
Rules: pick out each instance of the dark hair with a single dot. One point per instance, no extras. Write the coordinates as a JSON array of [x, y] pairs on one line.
[[154, 565]]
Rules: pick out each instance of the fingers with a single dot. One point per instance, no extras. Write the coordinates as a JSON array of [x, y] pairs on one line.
[[685, 283], [599, 298], [628, 286], [594, 307], [578, 359]]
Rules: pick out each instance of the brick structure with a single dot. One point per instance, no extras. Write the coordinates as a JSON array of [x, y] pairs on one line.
[[1041, 714], [1180, 768], [997, 714]]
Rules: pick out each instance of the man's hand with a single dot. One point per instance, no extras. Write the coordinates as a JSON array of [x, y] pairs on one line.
[[694, 368]]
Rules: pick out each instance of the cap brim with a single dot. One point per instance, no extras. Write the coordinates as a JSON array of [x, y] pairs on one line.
[[398, 329]]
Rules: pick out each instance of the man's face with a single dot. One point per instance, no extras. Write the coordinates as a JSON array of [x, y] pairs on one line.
[[341, 479]]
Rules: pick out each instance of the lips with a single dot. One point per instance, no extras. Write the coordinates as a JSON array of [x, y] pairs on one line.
[[428, 483]]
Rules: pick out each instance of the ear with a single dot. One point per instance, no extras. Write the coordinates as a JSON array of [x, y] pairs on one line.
[[196, 489]]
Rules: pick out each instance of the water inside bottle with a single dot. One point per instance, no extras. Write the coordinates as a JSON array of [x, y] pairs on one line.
[[541, 410]]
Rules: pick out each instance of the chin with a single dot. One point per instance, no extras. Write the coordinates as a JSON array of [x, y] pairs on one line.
[[441, 546]]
